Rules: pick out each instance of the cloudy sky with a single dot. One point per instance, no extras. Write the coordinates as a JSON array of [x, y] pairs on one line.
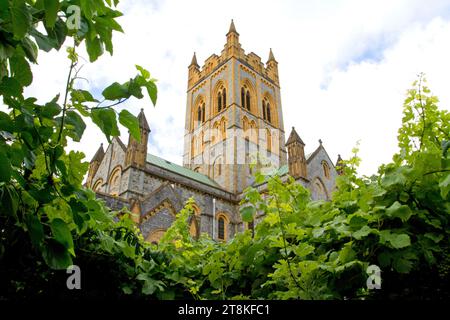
[[344, 65]]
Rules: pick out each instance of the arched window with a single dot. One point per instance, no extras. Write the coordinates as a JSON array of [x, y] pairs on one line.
[[224, 98], [319, 191], [199, 115], [217, 167], [264, 109], [243, 97], [247, 100], [253, 132], [219, 101], [224, 128], [268, 112], [97, 185], [269, 140], [203, 113], [155, 236], [222, 227], [215, 132], [326, 169], [114, 181], [193, 228]]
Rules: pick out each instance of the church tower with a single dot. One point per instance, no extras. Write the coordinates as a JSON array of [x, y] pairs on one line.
[[137, 151], [233, 115]]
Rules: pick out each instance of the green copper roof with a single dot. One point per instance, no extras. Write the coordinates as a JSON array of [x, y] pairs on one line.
[[283, 170], [188, 173]]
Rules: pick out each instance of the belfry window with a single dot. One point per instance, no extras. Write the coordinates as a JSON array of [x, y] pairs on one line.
[[245, 98], [199, 115], [224, 98], [268, 113], [203, 113], [219, 102]]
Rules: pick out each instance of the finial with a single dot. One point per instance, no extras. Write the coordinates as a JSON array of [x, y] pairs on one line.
[[320, 141]]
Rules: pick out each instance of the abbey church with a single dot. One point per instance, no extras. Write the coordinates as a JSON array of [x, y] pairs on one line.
[[234, 127]]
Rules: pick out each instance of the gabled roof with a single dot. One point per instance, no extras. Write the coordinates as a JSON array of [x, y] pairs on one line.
[[98, 156], [183, 171], [294, 137], [311, 156]]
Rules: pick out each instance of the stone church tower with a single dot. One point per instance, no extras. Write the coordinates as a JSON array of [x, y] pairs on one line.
[[234, 127], [233, 116]]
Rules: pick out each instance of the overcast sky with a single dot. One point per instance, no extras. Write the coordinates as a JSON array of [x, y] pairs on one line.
[[344, 65]]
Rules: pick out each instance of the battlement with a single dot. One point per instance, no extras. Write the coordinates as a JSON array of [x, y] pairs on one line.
[[233, 49]]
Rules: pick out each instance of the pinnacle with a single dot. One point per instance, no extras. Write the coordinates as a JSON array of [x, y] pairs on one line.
[[232, 27], [194, 60], [271, 56]]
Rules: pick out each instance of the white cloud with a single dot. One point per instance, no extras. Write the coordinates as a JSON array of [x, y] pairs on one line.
[[344, 65]]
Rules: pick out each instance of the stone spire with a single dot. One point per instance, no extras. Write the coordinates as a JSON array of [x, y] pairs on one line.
[[143, 123], [98, 156], [271, 56], [296, 156], [194, 61], [136, 153], [232, 28], [340, 165], [294, 137]]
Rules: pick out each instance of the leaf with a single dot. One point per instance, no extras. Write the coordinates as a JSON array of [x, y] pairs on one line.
[[444, 184], [247, 213], [303, 249], [74, 119], [94, 48], [152, 91], [50, 110], [61, 233], [5, 168], [21, 18], [9, 201], [21, 70], [143, 72], [51, 10], [363, 232], [35, 229], [56, 255], [10, 87], [116, 91], [82, 96], [397, 210], [397, 241], [393, 179], [131, 122], [6, 123], [105, 119], [30, 49], [44, 42]]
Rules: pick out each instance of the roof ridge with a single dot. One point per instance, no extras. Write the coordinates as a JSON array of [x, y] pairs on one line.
[[189, 171]]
